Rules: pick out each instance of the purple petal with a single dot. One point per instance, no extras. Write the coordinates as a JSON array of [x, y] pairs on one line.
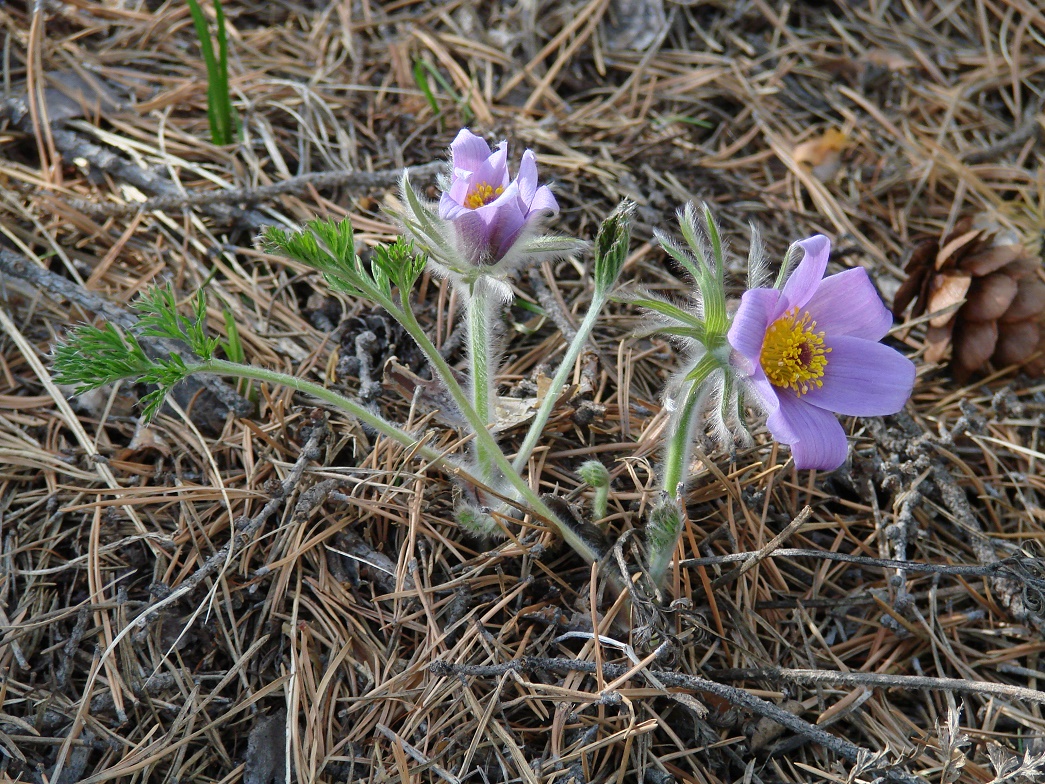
[[816, 438], [492, 209], [468, 150], [543, 201], [848, 304], [506, 226], [767, 396], [527, 178], [534, 198], [459, 187], [449, 208], [863, 378], [497, 166], [473, 234], [757, 307], [802, 284], [494, 170]]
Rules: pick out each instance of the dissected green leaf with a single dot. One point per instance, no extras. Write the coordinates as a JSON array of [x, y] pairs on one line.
[[92, 357]]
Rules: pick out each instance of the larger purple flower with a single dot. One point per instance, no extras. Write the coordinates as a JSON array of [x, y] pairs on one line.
[[812, 349], [488, 209]]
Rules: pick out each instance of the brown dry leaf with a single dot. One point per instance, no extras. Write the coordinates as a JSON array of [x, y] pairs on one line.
[[823, 154], [432, 397], [767, 730], [512, 412], [145, 438], [544, 385], [884, 58]]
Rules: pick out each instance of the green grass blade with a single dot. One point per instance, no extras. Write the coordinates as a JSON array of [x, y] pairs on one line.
[[219, 106], [421, 80], [221, 97]]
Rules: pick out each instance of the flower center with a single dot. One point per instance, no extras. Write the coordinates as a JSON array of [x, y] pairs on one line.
[[482, 194], [793, 355]]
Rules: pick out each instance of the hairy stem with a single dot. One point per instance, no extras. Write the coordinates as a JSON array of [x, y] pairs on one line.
[[683, 422], [381, 425], [600, 502], [480, 309], [386, 428], [565, 368]]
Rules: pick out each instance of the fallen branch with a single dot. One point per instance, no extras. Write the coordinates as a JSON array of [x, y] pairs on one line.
[[199, 199], [73, 146], [964, 570], [880, 680]]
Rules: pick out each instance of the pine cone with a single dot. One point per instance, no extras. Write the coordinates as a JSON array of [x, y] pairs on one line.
[[996, 286]]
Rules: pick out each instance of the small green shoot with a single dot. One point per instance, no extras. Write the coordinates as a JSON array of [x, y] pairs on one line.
[[662, 535], [595, 474], [233, 348], [421, 79], [611, 248], [422, 70], [222, 117]]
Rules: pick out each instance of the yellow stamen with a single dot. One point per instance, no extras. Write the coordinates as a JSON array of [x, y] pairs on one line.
[[481, 195], [793, 355]]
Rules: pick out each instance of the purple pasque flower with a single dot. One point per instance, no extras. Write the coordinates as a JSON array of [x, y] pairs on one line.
[[490, 211], [813, 348]]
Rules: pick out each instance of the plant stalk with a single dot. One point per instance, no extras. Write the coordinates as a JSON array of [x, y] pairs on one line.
[[480, 310], [438, 458], [683, 422], [565, 368]]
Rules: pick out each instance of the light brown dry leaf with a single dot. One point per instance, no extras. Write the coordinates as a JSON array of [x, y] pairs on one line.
[[767, 730], [823, 154], [884, 58]]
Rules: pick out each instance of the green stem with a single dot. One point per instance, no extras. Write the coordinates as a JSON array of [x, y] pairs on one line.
[[565, 368], [381, 425], [683, 422], [600, 502], [482, 435], [480, 309]]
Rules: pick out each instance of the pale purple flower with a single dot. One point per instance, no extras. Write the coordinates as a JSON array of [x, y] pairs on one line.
[[813, 348], [490, 211]]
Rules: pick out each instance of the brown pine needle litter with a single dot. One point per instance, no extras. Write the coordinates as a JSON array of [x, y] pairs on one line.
[[255, 589]]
